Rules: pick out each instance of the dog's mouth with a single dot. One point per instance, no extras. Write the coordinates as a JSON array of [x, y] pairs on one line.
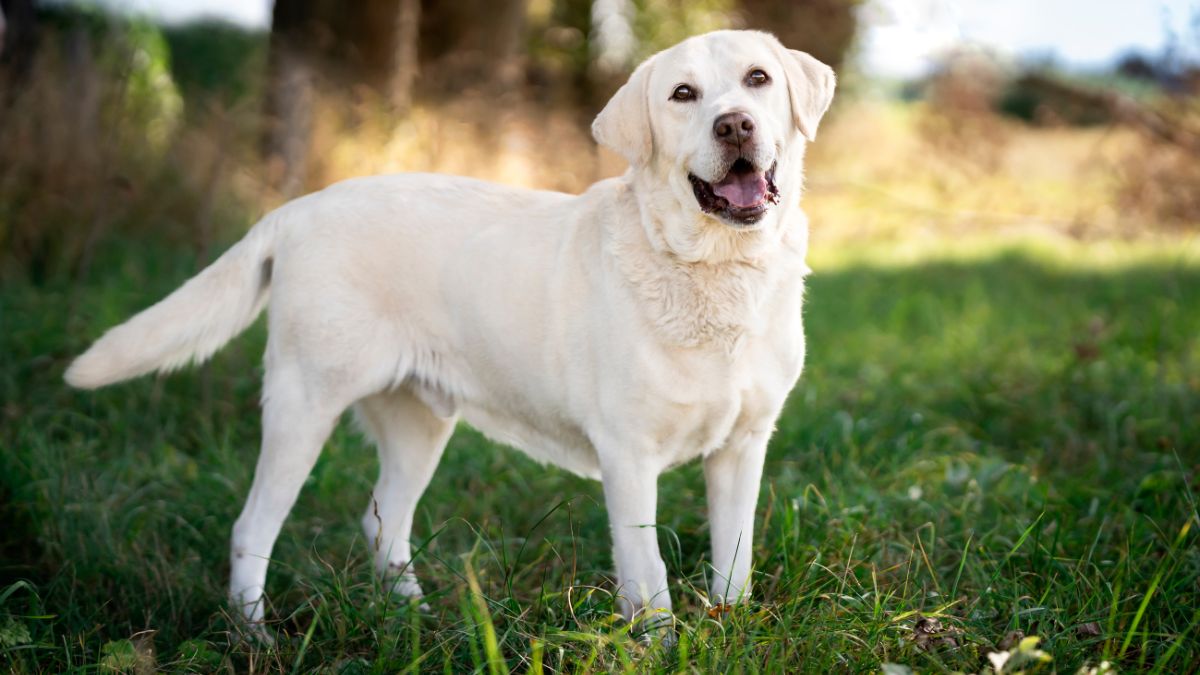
[[742, 197]]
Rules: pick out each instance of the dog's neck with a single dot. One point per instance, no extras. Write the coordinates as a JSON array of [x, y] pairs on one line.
[[708, 287]]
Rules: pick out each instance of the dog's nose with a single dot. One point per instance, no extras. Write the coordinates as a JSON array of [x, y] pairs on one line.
[[734, 128]]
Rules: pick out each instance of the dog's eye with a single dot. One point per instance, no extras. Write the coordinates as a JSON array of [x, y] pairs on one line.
[[757, 78], [683, 92]]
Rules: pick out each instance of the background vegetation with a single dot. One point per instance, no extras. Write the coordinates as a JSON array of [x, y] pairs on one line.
[[996, 437]]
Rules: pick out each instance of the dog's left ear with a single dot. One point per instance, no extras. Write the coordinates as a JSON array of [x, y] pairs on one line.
[[810, 85], [624, 124]]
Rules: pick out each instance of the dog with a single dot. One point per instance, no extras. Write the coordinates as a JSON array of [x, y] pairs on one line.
[[653, 319]]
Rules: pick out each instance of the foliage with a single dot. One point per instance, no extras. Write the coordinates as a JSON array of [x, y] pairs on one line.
[[97, 129], [214, 58]]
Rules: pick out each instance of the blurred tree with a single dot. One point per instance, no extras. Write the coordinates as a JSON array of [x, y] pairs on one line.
[[404, 52], [582, 50], [378, 46], [612, 40], [18, 40], [576, 51], [1137, 66], [212, 57], [370, 44], [558, 50], [295, 29], [473, 43], [823, 28], [612, 46]]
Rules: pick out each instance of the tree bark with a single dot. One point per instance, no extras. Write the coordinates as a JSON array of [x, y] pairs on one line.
[[18, 41], [339, 46], [405, 66], [290, 95], [823, 28], [473, 43]]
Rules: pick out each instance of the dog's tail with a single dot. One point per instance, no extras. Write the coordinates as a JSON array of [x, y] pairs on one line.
[[189, 325]]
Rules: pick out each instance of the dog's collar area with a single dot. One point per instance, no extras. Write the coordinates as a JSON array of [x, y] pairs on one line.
[[741, 197]]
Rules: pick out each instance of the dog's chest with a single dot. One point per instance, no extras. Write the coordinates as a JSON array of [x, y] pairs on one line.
[[722, 348], [694, 424], [701, 400]]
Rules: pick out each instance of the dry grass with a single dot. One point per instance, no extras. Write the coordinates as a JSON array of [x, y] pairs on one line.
[[92, 146], [882, 170]]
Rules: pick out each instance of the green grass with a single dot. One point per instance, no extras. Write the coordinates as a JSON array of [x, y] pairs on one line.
[[1006, 442]]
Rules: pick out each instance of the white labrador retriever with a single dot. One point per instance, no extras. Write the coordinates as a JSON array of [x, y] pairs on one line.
[[653, 319]]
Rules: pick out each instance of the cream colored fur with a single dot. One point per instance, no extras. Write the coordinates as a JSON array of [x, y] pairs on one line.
[[615, 333]]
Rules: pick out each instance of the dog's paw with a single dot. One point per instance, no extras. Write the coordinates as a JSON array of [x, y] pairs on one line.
[[655, 626], [406, 586], [252, 635]]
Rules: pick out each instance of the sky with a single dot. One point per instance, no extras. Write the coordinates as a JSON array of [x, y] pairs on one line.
[[902, 37]]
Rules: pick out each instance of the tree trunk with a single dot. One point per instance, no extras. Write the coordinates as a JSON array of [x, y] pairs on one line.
[[326, 44], [405, 66], [18, 41], [473, 44], [823, 28], [290, 95], [509, 41]]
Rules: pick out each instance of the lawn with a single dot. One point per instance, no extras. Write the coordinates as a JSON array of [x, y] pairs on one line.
[[984, 445]]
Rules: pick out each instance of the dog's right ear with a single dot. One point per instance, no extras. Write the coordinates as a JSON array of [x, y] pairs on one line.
[[624, 124]]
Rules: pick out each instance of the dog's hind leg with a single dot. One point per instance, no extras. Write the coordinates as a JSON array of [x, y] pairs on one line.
[[296, 424], [411, 439]]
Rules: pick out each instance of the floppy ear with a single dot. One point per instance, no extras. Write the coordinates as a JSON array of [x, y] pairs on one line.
[[624, 124], [810, 85]]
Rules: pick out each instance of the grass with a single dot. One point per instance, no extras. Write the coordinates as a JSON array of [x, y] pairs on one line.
[[1000, 437], [1003, 441]]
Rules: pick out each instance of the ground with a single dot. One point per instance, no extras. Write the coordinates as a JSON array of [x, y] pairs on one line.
[[1001, 437]]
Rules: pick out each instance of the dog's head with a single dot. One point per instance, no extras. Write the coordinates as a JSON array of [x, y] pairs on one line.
[[714, 130]]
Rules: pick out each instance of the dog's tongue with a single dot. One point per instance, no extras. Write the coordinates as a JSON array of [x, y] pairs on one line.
[[742, 189]]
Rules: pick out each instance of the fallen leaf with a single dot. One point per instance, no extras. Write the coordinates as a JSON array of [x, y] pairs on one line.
[[719, 610]]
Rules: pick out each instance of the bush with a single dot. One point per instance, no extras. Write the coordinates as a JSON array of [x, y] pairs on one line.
[[94, 142]]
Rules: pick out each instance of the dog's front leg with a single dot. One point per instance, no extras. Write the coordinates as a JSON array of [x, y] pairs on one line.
[[733, 475], [631, 495]]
